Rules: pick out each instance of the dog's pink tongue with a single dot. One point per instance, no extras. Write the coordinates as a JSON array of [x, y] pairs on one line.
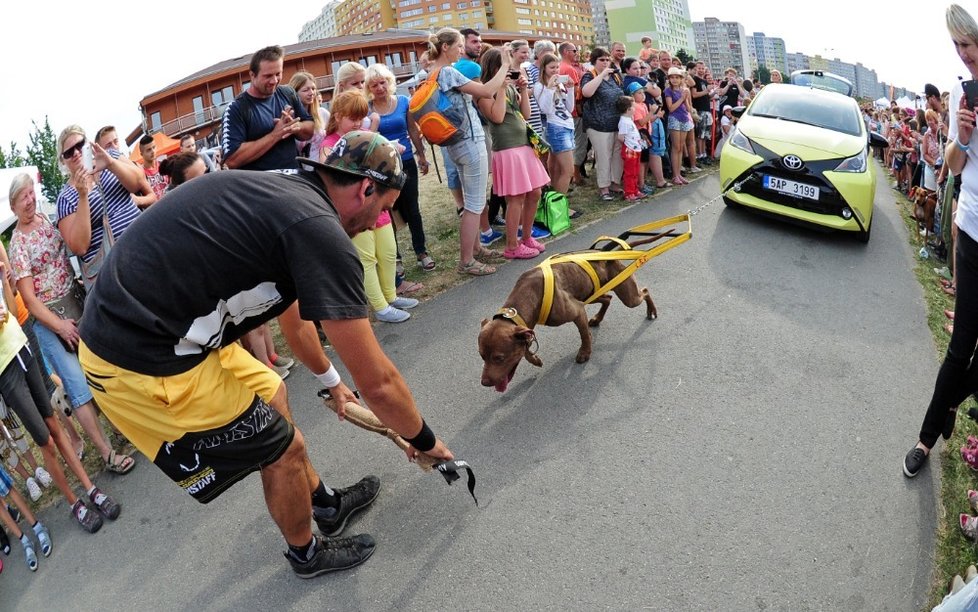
[[501, 385]]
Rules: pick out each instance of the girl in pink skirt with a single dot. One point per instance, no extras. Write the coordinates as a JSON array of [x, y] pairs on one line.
[[517, 173]]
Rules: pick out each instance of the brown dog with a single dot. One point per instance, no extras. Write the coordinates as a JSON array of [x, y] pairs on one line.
[[509, 336], [924, 205]]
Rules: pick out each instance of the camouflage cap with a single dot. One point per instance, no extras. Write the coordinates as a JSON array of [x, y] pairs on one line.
[[366, 154]]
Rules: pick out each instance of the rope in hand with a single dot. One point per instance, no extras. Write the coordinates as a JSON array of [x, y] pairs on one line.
[[366, 419]]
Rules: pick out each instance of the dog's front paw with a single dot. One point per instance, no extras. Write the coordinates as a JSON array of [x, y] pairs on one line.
[[594, 322], [583, 356]]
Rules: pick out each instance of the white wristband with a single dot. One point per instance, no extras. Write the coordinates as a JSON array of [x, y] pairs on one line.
[[330, 378]]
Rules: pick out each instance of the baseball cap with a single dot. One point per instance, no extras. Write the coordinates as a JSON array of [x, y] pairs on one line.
[[633, 87], [726, 108], [366, 154], [931, 90]]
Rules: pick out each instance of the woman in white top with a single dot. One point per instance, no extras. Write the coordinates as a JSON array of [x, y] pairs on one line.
[[958, 376], [305, 87], [555, 95]]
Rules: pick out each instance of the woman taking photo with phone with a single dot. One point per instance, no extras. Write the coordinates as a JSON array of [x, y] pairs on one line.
[[95, 206], [958, 376], [601, 87], [469, 155]]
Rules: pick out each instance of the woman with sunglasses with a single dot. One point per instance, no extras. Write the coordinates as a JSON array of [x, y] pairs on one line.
[[93, 196]]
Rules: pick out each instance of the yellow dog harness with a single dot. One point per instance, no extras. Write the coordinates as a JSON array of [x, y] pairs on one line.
[[637, 257]]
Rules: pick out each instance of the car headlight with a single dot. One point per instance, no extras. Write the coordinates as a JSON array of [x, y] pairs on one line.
[[741, 142], [856, 163]]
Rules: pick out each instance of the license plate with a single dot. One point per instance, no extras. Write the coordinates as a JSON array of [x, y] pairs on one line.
[[792, 188]]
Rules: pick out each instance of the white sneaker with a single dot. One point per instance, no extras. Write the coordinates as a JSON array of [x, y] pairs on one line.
[[392, 315], [404, 302], [282, 372], [43, 477], [33, 489]]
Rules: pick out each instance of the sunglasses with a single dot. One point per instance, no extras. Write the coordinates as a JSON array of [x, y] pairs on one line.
[[70, 151]]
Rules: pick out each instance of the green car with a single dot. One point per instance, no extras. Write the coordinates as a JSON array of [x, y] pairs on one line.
[[802, 153]]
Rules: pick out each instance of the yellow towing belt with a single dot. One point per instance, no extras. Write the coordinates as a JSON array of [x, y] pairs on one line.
[[638, 257]]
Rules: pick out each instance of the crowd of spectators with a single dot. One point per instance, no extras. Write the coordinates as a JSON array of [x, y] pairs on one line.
[[534, 117]]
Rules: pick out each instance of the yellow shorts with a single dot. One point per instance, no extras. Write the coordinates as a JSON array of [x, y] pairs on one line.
[[150, 410], [205, 428]]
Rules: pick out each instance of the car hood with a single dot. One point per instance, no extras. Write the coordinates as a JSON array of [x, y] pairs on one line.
[[809, 142]]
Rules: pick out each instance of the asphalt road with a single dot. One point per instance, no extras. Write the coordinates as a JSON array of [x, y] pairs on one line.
[[741, 452]]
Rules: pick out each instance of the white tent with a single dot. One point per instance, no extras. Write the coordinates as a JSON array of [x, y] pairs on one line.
[[905, 102], [881, 103]]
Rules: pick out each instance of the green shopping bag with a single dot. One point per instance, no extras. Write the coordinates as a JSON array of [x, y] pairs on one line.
[[553, 211]]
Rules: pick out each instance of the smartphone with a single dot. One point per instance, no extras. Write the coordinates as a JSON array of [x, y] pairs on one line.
[[563, 79], [970, 93], [88, 158], [514, 74]]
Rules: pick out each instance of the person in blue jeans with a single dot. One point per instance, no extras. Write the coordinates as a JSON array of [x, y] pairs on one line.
[[469, 155]]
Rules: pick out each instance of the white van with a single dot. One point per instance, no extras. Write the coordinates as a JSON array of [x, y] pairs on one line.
[[7, 218]]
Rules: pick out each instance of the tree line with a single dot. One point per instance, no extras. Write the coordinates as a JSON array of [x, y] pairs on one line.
[[42, 152]]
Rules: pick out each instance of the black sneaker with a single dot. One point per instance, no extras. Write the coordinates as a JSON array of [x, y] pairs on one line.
[[331, 521], [4, 542], [89, 520], [105, 504], [914, 461], [334, 554], [14, 513]]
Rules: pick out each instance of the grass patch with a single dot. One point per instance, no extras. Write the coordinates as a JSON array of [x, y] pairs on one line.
[[953, 552]]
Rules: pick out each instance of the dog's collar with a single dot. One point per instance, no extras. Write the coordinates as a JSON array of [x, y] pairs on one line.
[[510, 314]]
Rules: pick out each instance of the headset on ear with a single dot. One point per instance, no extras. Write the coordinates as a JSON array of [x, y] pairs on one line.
[[369, 190]]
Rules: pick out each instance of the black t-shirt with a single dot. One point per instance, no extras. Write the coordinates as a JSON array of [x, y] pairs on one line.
[[214, 259], [702, 103], [248, 118], [732, 96], [660, 78]]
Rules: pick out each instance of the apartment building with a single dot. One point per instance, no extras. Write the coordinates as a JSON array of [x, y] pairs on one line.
[[767, 51], [666, 22], [722, 45], [323, 26], [362, 16]]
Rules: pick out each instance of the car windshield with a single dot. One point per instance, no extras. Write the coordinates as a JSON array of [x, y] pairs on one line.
[[822, 80], [802, 105]]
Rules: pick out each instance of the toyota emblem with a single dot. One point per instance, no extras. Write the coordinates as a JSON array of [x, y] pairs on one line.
[[792, 162]]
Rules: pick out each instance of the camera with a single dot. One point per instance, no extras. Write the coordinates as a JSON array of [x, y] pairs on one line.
[[514, 74]]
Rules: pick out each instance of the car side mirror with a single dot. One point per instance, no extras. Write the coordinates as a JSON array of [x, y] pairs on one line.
[[738, 111], [876, 140]]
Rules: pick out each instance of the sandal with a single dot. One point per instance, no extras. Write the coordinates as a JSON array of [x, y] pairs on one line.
[[949, 314], [426, 263], [973, 500], [476, 268], [487, 254], [950, 290], [607, 197], [408, 287], [119, 464], [969, 526]]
